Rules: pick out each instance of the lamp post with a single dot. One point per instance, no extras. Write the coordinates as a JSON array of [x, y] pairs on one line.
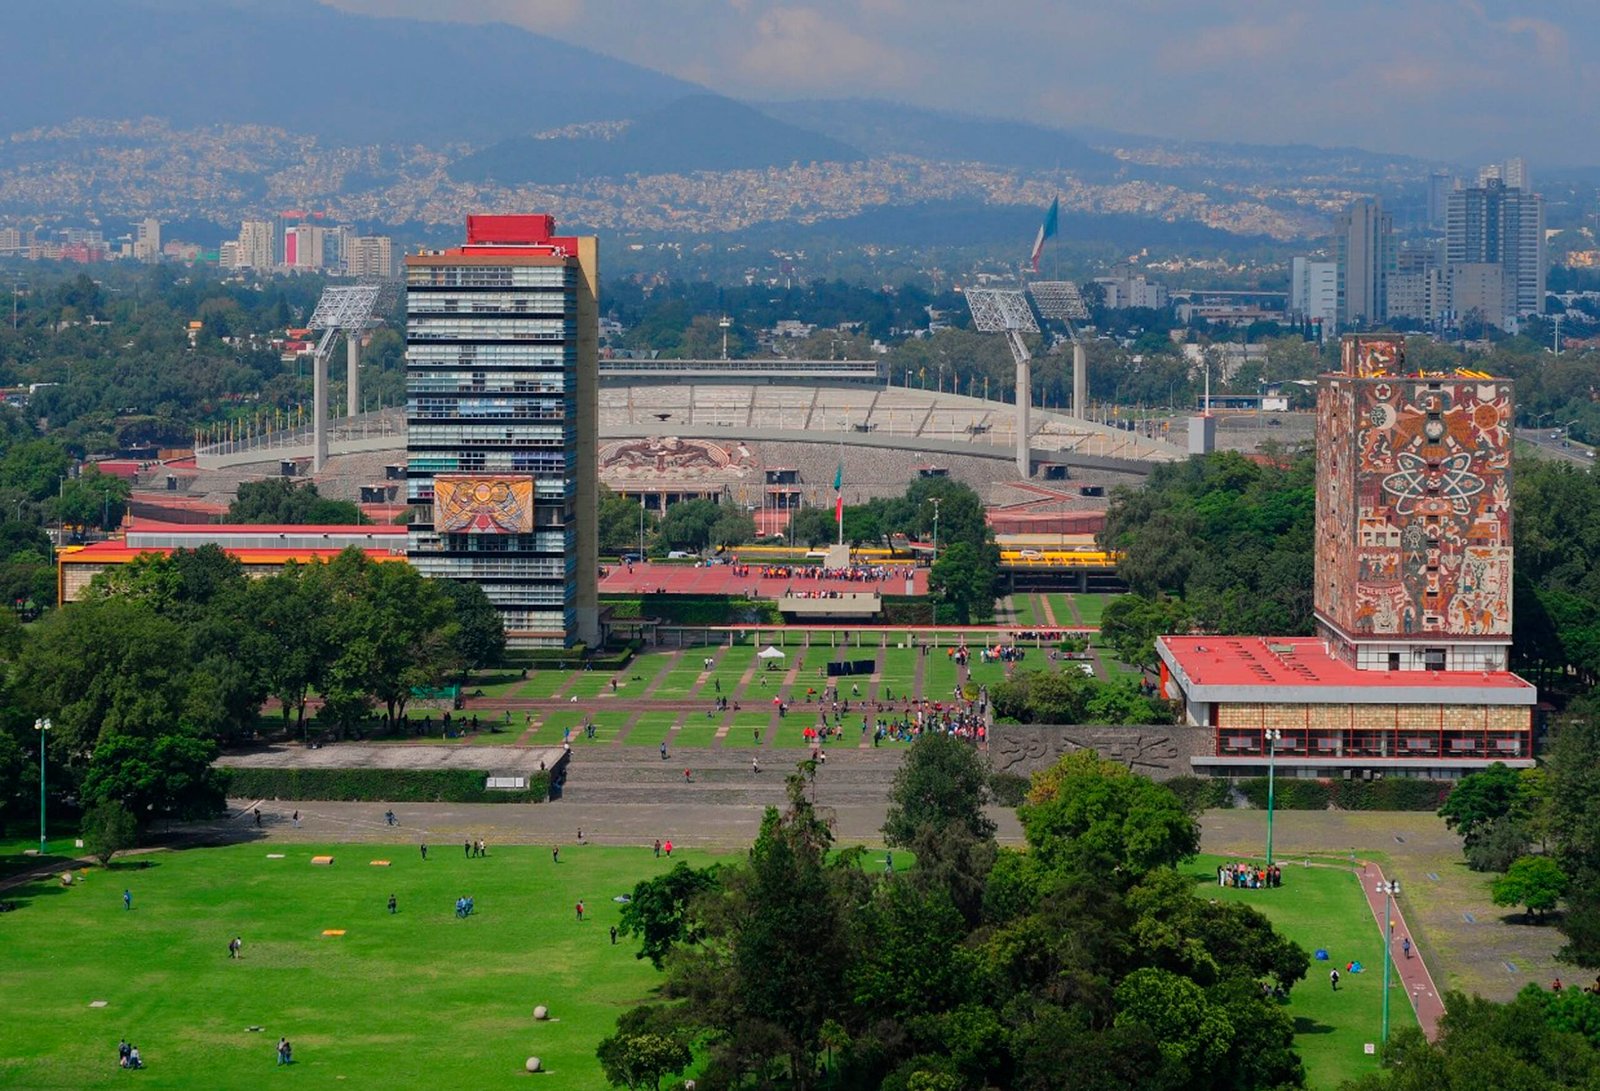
[[641, 526], [1390, 889], [42, 726], [935, 501], [1273, 737]]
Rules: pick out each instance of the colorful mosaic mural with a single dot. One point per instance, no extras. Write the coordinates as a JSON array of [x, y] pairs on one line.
[[1413, 502], [482, 505]]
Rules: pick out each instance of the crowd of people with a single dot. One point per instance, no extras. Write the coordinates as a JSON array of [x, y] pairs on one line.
[[1248, 876]]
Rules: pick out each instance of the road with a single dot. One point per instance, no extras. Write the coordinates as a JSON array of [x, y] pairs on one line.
[[1550, 440]]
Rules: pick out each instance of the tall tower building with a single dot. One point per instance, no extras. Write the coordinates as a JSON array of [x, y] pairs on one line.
[[147, 240], [255, 244], [502, 397], [1413, 530], [1495, 224], [1363, 243], [1440, 183]]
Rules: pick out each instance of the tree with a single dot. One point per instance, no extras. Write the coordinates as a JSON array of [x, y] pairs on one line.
[[640, 1060], [813, 527], [168, 777], [282, 500], [941, 784], [107, 829], [1498, 845], [961, 580], [1131, 623], [1094, 817], [480, 633], [1573, 770], [92, 499], [732, 528], [1193, 1033], [687, 524], [1478, 799], [623, 524], [1536, 882], [659, 911]]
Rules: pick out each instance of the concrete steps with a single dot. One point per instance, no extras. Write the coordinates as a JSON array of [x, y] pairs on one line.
[[633, 775]]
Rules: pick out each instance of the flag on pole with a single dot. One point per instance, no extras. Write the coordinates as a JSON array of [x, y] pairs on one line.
[[838, 496], [1047, 230]]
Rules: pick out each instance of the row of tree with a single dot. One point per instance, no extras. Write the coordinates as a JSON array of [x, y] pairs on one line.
[[170, 657], [1085, 961]]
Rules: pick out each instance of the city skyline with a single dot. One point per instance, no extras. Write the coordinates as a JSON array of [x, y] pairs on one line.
[[1493, 75]]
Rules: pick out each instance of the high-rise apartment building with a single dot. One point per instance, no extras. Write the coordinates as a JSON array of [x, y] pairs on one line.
[[303, 246], [1363, 242], [502, 395], [369, 256], [1440, 183], [1314, 291], [1418, 288], [255, 244], [147, 240], [1495, 224]]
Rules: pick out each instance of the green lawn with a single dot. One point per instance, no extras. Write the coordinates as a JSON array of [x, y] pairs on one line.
[[542, 683], [1022, 607], [1324, 907], [651, 728], [743, 723], [697, 730], [420, 999], [1091, 606]]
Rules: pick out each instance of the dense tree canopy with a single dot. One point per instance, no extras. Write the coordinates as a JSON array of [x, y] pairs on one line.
[[284, 500], [1085, 962]]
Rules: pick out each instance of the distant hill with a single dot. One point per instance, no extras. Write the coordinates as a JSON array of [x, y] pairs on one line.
[[698, 133], [305, 67], [887, 127]]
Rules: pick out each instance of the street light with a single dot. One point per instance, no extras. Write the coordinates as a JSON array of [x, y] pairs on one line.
[[1390, 889], [935, 501], [41, 726], [1273, 737]]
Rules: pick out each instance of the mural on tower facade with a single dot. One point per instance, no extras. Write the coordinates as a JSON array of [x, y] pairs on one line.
[[1413, 499]]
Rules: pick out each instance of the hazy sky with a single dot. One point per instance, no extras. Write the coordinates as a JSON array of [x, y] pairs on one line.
[[1454, 79]]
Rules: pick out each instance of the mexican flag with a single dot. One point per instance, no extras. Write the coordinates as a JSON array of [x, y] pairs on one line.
[[1047, 230], [838, 496]]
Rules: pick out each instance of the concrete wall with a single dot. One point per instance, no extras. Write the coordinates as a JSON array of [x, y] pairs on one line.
[[1155, 752]]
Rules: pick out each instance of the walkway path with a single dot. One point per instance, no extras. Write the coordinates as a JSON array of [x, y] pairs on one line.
[[1411, 970]]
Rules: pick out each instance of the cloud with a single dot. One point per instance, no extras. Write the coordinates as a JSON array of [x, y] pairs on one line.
[[1441, 78], [800, 49]]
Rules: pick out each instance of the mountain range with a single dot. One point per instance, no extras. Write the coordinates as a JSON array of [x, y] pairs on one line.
[[218, 109]]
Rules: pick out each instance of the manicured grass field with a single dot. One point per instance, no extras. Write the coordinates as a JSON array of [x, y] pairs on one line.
[[1022, 607], [1324, 907], [419, 999], [651, 728], [1091, 606]]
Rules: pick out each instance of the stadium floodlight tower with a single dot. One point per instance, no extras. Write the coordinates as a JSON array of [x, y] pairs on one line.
[[347, 310], [998, 310], [1061, 300]]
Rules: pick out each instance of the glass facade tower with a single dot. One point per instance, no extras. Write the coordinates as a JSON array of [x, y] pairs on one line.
[[501, 391]]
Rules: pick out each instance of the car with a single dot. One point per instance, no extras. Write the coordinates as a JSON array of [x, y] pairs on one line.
[[1031, 555], [630, 558], [679, 555], [1088, 669]]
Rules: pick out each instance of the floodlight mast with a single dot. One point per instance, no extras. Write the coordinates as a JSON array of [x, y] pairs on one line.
[[1001, 311], [347, 310], [1061, 300]]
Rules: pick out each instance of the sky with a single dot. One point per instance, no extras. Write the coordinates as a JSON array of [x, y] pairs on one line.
[[1459, 80]]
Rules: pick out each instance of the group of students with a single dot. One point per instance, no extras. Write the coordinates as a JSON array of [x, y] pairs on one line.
[[128, 1055], [1244, 876], [463, 906]]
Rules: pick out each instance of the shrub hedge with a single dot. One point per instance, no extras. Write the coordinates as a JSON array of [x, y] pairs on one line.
[[1384, 794], [379, 785], [1008, 789], [1200, 793]]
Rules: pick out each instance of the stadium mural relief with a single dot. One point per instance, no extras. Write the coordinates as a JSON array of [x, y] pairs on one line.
[[1157, 752]]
